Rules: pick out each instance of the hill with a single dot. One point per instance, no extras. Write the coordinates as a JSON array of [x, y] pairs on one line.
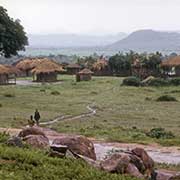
[[148, 40]]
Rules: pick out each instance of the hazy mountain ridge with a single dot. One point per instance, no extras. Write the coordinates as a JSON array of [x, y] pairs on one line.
[[148, 40], [72, 40]]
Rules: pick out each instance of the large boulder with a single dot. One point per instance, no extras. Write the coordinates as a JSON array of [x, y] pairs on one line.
[[167, 175], [15, 141], [78, 145], [146, 159], [116, 163], [37, 141], [133, 171], [137, 162], [31, 131], [120, 163]]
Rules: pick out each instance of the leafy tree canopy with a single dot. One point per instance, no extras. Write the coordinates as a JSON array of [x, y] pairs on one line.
[[12, 35]]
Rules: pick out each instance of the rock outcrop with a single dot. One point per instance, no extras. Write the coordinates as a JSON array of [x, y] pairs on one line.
[[37, 141], [31, 131], [77, 144]]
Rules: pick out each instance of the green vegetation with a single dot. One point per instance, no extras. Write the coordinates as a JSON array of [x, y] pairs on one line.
[[56, 93], [123, 112], [31, 164], [160, 133], [158, 82], [166, 98], [131, 81], [13, 38]]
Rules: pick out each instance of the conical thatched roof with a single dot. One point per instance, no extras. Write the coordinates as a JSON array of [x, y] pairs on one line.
[[13, 69], [4, 69], [43, 65], [85, 71], [47, 66], [24, 65], [174, 61]]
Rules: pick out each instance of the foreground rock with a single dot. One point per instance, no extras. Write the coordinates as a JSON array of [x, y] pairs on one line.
[[136, 163], [120, 163], [15, 141], [146, 159], [37, 141], [31, 131], [167, 175], [78, 145]]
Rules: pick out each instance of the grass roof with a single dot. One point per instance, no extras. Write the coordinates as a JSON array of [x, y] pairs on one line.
[[85, 71], [171, 62], [47, 66]]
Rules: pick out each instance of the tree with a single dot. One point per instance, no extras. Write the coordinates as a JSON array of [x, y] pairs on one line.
[[12, 35]]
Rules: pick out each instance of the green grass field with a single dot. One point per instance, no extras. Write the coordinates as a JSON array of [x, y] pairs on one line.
[[124, 113]]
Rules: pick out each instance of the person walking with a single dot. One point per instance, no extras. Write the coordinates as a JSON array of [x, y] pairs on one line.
[[37, 117]]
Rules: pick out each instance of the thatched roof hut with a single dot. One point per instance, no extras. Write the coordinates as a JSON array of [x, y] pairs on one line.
[[73, 68], [47, 71], [27, 65], [84, 75], [171, 66], [5, 72], [171, 62]]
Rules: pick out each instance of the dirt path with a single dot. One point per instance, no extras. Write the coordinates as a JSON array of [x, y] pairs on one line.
[[91, 112]]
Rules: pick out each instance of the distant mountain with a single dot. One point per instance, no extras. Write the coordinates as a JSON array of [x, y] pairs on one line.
[[72, 40], [148, 40]]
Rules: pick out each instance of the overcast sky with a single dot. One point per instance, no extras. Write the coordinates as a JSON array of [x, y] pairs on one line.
[[94, 16]]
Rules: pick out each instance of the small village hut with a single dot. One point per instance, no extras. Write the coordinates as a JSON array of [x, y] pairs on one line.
[[47, 71], [84, 75]]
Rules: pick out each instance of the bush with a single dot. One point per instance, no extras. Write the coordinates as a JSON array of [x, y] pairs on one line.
[[166, 98], [131, 81], [175, 81], [9, 95], [55, 93], [159, 133], [1, 105], [158, 82]]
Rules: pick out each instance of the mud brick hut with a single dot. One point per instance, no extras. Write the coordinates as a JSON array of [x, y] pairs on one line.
[[84, 75], [73, 69], [171, 66], [47, 71]]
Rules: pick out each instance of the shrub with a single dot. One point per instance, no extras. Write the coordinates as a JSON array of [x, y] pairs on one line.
[[42, 90], [55, 93], [4, 137], [166, 98], [131, 81], [9, 95], [159, 133], [158, 82], [175, 81], [1, 105]]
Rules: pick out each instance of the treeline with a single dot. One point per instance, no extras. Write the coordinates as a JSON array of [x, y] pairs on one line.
[[123, 64]]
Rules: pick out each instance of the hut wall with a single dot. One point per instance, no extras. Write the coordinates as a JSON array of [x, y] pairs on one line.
[[72, 71], [3, 79], [85, 77], [46, 77], [177, 71]]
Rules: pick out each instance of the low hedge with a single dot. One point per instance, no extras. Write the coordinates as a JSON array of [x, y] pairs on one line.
[[131, 81]]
